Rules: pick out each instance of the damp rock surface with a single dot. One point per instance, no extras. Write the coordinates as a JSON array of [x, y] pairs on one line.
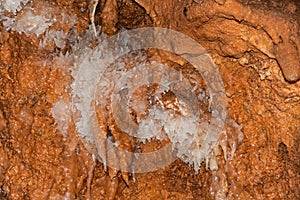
[[254, 44]]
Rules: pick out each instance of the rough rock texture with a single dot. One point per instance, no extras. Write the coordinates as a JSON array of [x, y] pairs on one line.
[[256, 46]]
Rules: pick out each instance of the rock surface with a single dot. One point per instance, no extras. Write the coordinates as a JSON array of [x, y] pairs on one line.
[[256, 46]]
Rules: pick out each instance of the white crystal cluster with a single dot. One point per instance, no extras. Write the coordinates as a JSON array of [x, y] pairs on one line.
[[28, 22], [62, 113], [101, 79], [12, 6], [59, 37], [185, 129], [35, 20]]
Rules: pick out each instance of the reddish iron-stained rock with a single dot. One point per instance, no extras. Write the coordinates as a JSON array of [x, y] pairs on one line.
[[256, 46]]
